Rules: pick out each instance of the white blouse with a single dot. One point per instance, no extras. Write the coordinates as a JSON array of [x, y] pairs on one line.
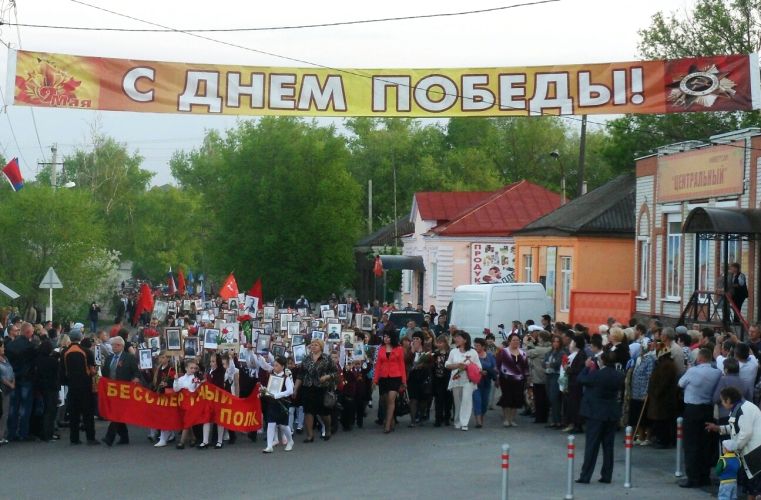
[[459, 378]]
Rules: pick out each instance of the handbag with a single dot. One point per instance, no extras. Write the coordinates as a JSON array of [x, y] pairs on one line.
[[402, 407], [474, 372], [329, 399]]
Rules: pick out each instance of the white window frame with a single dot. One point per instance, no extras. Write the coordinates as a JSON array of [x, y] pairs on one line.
[[671, 290], [434, 278], [528, 267], [406, 280], [643, 270], [566, 282]]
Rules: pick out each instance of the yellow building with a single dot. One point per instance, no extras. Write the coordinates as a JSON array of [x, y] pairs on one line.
[[583, 253]]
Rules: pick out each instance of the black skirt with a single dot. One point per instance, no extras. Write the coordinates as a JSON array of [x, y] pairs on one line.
[[388, 384], [276, 410]]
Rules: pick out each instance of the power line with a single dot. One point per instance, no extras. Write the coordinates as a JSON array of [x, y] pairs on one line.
[[310, 63], [31, 109], [13, 134], [292, 27]]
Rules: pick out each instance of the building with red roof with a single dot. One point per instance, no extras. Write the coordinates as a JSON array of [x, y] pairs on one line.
[[466, 237]]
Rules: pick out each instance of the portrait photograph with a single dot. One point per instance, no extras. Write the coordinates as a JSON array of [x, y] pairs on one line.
[[358, 351], [97, 352], [262, 344], [154, 343], [255, 332], [297, 339], [294, 328], [285, 318], [186, 305], [160, 310], [172, 336], [251, 305], [342, 310], [146, 359], [348, 337], [231, 317], [299, 353], [334, 331], [275, 384], [171, 307], [318, 335], [230, 336], [233, 304], [328, 313], [366, 322], [210, 336], [190, 346], [269, 313], [278, 350]]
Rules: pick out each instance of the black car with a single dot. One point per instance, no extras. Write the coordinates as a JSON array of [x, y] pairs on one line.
[[401, 318]]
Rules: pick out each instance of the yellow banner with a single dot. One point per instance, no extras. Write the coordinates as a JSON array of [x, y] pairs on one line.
[[725, 83], [695, 175]]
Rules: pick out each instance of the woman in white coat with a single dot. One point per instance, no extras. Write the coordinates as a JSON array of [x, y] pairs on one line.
[[745, 430], [459, 383]]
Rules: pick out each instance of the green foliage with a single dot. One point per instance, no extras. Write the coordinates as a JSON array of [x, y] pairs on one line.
[[61, 229], [279, 204], [712, 27]]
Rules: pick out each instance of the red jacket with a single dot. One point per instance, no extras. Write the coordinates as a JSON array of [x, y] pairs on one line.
[[390, 366]]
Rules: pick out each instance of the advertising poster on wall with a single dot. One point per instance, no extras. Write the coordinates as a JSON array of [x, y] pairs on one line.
[[492, 263]]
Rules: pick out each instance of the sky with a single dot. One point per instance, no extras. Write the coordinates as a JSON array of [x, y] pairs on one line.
[[564, 32]]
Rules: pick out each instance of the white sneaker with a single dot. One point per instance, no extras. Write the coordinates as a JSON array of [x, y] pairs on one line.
[[160, 444], [513, 424], [267, 450], [457, 426], [464, 428], [284, 441], [289, 446]]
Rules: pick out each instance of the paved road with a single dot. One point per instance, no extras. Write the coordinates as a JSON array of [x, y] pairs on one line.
[[422, 463]]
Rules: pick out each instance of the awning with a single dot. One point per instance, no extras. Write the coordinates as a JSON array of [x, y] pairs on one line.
[[414, 262], [710, 222]]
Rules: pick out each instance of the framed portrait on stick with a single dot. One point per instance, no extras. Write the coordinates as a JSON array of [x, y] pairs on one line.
[[278, 350], [210, 338], [299, 353], [146, 359], [263, 344], [190, 347], [172, 339]]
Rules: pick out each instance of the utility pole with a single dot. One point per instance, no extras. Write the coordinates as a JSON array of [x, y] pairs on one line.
[[582, 155], [369, 206], [54, 166]]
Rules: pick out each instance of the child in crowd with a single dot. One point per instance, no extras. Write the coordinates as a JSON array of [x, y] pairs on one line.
[[189, 381], [276, 406], [726, 470]]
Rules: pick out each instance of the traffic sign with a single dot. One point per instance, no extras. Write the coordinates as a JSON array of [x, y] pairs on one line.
[[51, 280]]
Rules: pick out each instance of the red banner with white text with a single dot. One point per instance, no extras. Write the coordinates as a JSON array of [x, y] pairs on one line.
[[132, 403], [718, 83]]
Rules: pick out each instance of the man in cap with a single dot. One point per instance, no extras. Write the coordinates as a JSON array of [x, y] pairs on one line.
[[121, 365], [76, 371]]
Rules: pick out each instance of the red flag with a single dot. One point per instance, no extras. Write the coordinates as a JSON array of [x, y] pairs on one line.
[[181, 281], [256, 291], [378, 267], [144, 301], [12, 172], [230, 288]]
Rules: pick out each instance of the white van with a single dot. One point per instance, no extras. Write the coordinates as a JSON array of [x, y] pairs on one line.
[[475, 307]]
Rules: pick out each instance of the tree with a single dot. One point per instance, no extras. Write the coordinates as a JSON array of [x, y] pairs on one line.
[[280, 204], [713, 27], [43, 228]]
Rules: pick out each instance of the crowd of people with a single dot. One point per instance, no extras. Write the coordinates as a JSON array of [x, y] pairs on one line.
[[564, 376]]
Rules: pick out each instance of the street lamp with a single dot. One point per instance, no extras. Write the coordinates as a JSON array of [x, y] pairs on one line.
[[556, 155]]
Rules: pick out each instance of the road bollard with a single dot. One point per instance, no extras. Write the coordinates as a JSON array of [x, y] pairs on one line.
[[505, 468], [628, 438], [569, 479], [679, 444]]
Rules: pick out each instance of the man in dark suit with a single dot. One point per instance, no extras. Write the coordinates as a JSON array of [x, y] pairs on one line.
[[121, 365], [602, 410]]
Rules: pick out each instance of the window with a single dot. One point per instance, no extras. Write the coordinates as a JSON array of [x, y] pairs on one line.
[[673, 253], [566, 276], [406, 281], [703, 264], [434, 278], [528, 268], [643, 252]]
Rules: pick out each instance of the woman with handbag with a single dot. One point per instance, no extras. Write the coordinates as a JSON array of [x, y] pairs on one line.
[[390, 375], [512, 364], [318, 374], [744, 429], [463, 379]]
